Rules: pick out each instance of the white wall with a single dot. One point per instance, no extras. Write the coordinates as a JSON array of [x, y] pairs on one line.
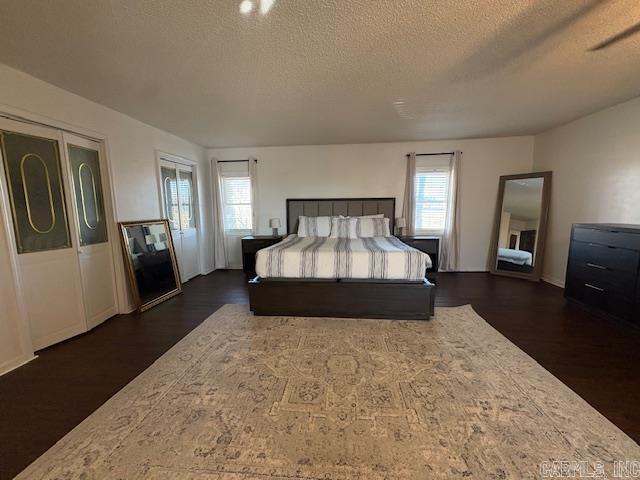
[[131, 148], [596, 176], [378, 170]]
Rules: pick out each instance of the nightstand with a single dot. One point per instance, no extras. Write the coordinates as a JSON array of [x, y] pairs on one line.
[[250, 246], [428, 245]]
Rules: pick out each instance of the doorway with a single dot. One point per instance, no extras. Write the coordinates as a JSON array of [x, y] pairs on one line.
[[179, 207]]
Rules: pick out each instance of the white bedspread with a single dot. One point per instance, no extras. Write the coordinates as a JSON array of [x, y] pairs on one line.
[[517, 257], [322, 257]]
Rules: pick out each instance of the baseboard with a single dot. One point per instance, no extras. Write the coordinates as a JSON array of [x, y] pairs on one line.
[[129, 309], [553, 281], [12, 364]]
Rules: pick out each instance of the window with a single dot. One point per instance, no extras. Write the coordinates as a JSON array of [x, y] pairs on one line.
[[432, 194], [236, 198]]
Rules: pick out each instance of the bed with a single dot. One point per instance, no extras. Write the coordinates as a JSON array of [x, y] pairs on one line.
[[374, 277], [515, 260], [381, 258], [517, 257]]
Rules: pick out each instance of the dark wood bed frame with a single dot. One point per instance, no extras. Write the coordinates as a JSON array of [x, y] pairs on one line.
[[343, 297]]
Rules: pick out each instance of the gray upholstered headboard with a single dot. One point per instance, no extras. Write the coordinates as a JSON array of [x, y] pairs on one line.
[[317, 207]]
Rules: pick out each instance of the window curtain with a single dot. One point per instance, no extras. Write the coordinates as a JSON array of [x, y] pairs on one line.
[[449, 242], [220, 257], [253, 176], [409, 204]]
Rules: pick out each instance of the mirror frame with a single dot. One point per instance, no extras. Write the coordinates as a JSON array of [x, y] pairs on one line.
[[129, 265], [542, 230]]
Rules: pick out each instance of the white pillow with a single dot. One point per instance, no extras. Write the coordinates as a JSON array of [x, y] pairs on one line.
[[314, 226], [372, 227], [377, 215], [343, 227]]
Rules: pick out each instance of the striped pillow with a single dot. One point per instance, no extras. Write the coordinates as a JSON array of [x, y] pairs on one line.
[[372, 227], [343, 227], [314, 226]]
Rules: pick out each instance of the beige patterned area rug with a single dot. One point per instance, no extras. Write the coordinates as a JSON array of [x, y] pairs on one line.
[[245, 397]]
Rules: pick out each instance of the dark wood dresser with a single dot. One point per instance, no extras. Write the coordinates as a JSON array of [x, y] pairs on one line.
[[603, 269], [250, 246]]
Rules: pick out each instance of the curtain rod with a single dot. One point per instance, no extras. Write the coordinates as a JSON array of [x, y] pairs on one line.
[[428, 154], [235, 161]]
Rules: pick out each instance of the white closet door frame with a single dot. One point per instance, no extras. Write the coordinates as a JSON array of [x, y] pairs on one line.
[[94, 318], [24, 261], [168, 157]]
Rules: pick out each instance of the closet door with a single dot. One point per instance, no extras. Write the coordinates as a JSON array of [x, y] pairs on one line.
[[171, 208], [94, 244], [179, 207], [188, 231], [35, 190]]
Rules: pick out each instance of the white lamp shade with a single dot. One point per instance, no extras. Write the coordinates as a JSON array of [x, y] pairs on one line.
[[401, 222], [274, 222]]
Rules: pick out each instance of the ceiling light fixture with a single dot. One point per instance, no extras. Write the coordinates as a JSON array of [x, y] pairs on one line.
[[246, 6]]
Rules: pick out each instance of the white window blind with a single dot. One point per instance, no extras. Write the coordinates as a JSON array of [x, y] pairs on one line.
[[236, 194], [432, 193]]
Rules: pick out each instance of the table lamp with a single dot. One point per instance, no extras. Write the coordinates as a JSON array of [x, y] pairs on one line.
[[274, 223]]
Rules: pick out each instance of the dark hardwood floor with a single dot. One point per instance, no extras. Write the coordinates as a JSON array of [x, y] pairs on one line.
[[43, 400]]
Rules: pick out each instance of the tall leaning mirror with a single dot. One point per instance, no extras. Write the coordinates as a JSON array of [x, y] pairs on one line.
[[517, 248], [151, 262]]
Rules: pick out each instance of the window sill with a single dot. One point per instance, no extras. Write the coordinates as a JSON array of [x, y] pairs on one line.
[[237, 233]]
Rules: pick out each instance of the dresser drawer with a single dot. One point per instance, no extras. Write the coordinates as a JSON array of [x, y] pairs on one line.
[[605, 237], [601, 298], [623, 283], [605, 258]]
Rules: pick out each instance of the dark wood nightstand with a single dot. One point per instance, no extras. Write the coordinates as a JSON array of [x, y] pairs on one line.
[[250, 246], [428, 245]]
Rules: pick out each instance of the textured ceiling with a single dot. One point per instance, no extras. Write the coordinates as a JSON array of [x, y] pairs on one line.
[[331, 71]]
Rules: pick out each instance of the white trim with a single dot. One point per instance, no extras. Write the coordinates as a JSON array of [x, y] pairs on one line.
[[16, 362], [32, 118], [430, 233], [208, 271], [553, 281]]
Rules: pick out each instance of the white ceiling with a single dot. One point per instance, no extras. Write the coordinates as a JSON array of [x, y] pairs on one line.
[[331, 71]]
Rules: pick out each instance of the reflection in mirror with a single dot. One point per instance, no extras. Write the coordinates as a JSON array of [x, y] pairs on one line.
[[151, 262], [520, 225]]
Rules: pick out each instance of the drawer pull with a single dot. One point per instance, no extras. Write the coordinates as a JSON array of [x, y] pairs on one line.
[[594, 287], [593, 265]]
